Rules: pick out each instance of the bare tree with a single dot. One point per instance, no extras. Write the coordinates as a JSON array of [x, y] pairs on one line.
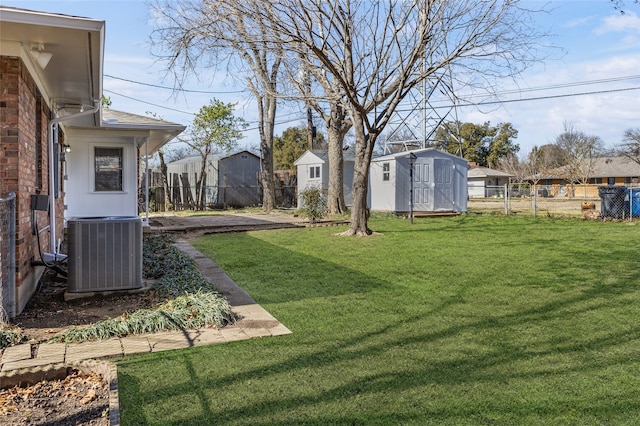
[[630, 146], [320, 93], [194, 34], [619, 5], [580, 153], [377, 52], [541, 161], [511, 164]]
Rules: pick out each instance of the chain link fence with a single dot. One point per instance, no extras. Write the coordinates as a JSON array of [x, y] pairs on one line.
[[7, 256], [593, 202]]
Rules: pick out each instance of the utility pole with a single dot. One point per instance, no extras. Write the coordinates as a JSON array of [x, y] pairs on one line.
[[310, 129]]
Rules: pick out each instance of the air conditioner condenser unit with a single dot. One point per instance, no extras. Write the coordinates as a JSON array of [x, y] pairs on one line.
[[105, 253]]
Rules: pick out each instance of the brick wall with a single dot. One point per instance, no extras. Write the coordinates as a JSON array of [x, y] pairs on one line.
[[24, 119]]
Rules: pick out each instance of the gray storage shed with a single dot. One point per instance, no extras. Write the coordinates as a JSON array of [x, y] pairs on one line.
[[231, 179], [439, 182]]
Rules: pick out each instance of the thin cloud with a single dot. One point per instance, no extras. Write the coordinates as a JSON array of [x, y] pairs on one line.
[[627, 23], [578, 22]]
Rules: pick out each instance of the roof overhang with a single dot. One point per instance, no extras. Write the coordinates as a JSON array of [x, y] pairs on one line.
[[130, 128], [71, 80]]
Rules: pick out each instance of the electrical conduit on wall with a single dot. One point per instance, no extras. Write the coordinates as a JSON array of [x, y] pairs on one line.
[[52, 171]]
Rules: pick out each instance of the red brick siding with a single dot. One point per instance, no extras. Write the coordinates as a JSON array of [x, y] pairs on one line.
[[19, 159]]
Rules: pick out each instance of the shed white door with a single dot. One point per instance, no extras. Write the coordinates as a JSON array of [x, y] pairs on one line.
[[443, 179], [422, 180]]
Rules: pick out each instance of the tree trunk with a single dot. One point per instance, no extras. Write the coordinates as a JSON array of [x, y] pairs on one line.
[[266, 179], [165, 181], [359, 209], [267, 116], [335, 195], [199, 200]]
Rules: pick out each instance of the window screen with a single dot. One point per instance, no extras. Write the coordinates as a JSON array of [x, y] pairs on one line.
[[108, 169]]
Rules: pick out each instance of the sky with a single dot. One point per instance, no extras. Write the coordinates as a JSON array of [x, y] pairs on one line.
[[592, 84]]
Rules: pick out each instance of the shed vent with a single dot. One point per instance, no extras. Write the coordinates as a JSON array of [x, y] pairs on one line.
[[105, 253]]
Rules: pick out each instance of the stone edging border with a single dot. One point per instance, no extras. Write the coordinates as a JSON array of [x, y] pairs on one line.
[[31, 376]]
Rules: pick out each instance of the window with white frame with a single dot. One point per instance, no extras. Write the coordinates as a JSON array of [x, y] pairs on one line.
[[314, 172], [385, 171], [108, 166]]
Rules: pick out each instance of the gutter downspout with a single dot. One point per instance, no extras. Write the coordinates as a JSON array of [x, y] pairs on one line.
[[146, 182], [52, 171]]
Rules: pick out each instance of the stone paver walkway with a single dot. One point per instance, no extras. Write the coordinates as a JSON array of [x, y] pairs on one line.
[[255, 322]]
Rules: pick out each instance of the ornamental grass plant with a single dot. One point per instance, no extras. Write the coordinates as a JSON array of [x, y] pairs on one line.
[[187, 299]]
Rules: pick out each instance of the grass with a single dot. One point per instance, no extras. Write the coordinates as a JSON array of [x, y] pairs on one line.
[[477, 319]]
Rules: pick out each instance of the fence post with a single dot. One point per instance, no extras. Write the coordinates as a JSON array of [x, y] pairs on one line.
[[630, 203], [506, 200], [535, 200]]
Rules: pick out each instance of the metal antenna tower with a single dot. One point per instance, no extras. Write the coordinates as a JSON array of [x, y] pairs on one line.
[[418, 117]]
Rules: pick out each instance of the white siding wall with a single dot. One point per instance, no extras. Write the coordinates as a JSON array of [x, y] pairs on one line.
[[309, 159], [304, 173], [80, 197], [476, 187], [305, 181], [382, 193], [460, 188]]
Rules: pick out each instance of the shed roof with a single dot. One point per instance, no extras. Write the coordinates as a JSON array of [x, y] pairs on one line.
[[212, 157], [418, 152], [348, 155]]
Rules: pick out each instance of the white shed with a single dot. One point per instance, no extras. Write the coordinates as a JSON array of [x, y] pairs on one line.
[[231, 179], [439, 182], [313, 172]]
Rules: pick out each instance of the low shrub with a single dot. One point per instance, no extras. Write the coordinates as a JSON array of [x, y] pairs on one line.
[[10, 337], [313, 204]]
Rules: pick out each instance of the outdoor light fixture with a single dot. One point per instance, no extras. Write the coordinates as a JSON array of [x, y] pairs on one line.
[[41, 57], [67, 148]]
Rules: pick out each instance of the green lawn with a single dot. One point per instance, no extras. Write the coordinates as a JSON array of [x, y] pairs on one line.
[[476, 319]]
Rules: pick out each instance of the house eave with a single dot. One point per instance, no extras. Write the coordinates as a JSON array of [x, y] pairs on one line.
[[73, 75]]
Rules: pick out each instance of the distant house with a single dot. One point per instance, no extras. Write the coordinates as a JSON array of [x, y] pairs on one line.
[[439, 182], [484, 182], [313, 171], [231, 180], [619, 171]]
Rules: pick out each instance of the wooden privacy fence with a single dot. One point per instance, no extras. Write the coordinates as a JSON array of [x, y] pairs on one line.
[[182, 194]]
